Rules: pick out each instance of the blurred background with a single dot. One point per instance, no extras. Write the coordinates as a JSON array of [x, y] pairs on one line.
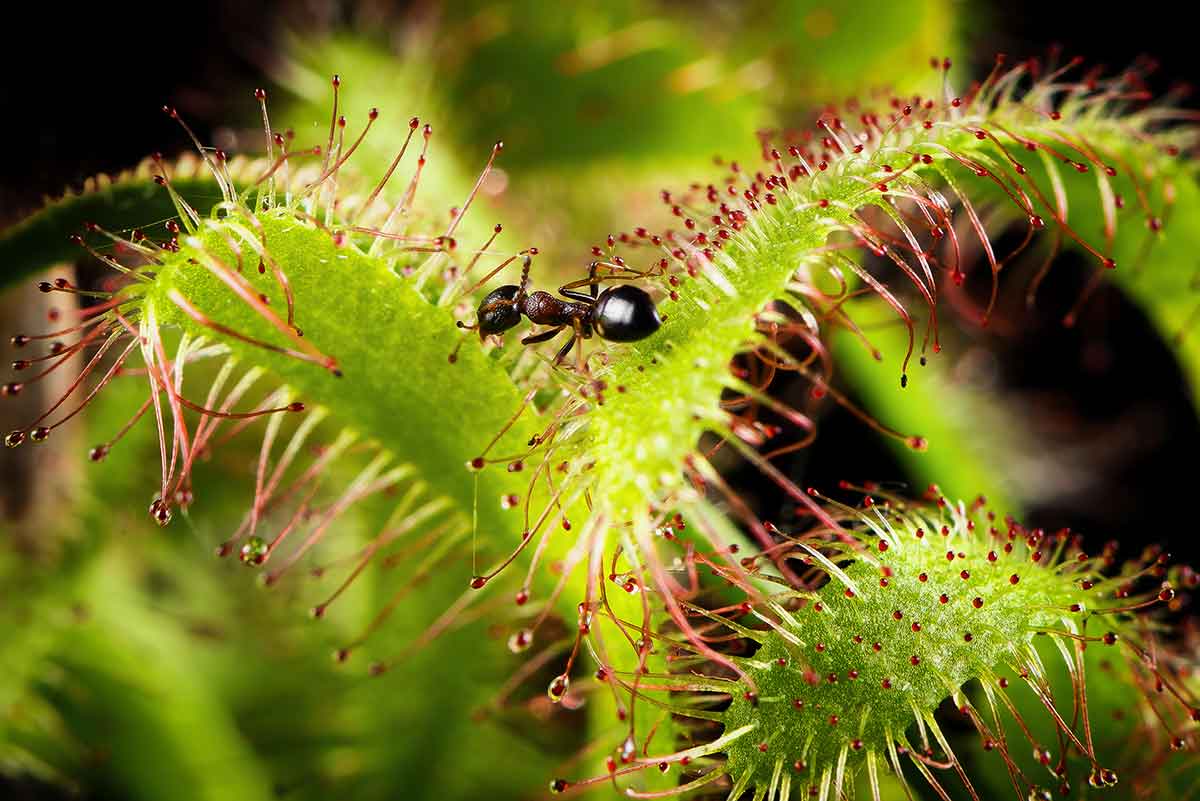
[[135, 665]]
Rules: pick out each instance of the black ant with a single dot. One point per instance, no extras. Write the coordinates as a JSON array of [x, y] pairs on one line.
[[621, 313]]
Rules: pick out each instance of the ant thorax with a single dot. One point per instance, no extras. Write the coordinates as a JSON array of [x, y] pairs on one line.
[[542, 308]]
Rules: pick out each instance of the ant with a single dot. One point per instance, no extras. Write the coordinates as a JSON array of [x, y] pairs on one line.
[[621, 313]]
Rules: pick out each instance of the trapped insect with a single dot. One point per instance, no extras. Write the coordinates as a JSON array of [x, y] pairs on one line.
[[622, 313]]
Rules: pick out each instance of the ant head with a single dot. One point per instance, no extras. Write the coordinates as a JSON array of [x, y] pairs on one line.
[[499, 312]]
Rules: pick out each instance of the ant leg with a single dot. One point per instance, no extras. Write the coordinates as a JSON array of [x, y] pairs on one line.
[[660, 270], [579, 296], [592, 281], [567, 290], [544, 336], [580, 362], [562, 353], [593, 285]]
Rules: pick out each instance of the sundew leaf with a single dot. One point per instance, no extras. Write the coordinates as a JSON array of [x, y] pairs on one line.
[[1157, 270], [968, 453], [381, 328], [124, 202], [577, 153], [620, 441], [383, 397], [401, 87], [304, 717], [434, 429]]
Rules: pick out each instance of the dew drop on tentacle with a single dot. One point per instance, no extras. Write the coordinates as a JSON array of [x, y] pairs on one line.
[[520, 641], [558, 687], [160, 512]]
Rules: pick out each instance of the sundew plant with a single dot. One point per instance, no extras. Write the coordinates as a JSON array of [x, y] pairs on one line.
[[382, 492]]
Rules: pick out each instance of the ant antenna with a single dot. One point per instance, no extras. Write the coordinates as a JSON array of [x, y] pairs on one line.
[[526, 263]]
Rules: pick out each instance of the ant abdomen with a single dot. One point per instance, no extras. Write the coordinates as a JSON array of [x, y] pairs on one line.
[[625, 314]]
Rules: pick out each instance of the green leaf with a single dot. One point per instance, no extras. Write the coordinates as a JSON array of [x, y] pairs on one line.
[[969, 448], [121, 204], [155, 728]]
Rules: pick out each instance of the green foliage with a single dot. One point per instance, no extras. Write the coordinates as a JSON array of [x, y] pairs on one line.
[[970, 442], [1156, 269], [399, 392], [379, 327], [594, 84], [826, 49], [124, 203], [933, 601]]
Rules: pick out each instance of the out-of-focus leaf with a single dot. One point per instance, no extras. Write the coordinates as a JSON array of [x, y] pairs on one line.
[[128, 201], [969, 437], [824, 51], [150, 727], [594, 83]]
